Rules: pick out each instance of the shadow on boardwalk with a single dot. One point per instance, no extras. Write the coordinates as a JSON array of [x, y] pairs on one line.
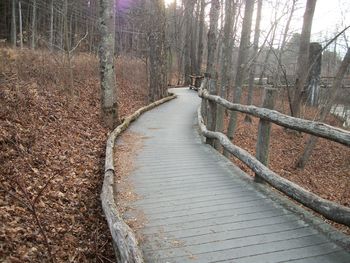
[[201, 208]]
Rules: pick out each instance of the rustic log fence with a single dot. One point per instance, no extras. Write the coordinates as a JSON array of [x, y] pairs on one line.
[[124, 241], [329, 209]]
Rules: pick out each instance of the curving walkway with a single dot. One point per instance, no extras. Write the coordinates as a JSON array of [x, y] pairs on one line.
[[200, 208]]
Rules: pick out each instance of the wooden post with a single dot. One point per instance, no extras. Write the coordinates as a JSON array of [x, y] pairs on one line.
[[212, 107], [204, 104], [264, 128]]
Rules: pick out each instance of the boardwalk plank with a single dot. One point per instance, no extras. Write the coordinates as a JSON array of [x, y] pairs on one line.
[[198, 209]]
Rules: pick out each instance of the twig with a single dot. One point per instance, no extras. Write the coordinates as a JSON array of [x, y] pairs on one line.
[[77, 45]]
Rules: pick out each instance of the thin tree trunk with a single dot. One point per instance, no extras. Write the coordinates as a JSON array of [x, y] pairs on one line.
[[13, 24], [200, 37], [310, 145], [194, 66], [254, 55], [286, 30], [267, 57], [33, 38], [212, 37], [70, 85], [230, 11], [107, 66], [241, 63], [302, 65], [189, 5], [51, 25], [20, 24]]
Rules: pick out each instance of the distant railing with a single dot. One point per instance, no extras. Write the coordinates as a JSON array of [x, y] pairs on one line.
[[207, 116]]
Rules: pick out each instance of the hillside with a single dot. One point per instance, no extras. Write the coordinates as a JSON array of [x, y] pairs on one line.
[[52, 149]]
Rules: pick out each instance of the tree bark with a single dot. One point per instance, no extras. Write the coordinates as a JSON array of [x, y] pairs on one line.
[[212, 36], [20, 24], [254, 55], [302, 62], [230, 11], [200, 37], [51, 25], [107, 66], [33, 38], [157, 51], [13, 24], [189, 6], [242, 62]]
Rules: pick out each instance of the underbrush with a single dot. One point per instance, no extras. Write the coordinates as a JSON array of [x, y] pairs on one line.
[[52, 149]]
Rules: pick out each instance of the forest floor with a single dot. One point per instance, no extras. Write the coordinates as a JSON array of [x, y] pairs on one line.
[[52, 151], [327, 173], [51, 155]]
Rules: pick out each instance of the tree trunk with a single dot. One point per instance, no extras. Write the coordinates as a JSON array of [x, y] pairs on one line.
[[51, 25], [194, 66], [107, 67], [302, 62], [157, 51], [32, 43], [13, 24], [241, 63], [189, 5], [310, 145], [212, 36], [230, 11], [254, 59], [20, 24], [200, 37]]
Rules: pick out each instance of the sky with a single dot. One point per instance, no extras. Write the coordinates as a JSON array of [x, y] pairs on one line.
[[329, 14], [330, 17]]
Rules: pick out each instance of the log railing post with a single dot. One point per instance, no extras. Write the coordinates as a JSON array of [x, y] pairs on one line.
[[212, 106], [204, 104], [264, 128]]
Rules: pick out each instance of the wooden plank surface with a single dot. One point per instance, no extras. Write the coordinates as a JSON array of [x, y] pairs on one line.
[[198, 209]]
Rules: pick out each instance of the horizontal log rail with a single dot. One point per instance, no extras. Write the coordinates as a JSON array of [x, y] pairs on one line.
[[311, 127], [124, 241], [328, 209]]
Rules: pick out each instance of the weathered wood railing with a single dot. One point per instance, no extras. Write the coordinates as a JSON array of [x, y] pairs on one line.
[[124, 241], [328, 209]]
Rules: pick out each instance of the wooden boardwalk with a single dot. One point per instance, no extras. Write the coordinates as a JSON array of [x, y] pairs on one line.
[[200, 208]]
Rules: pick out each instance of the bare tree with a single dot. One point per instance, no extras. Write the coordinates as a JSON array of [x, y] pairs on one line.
[[189, 5], [107, 68], [302, 63], [13, 24], [230, 11], [212, 36], [200, 37], [254, 57], [33, 38], [241, 62], [51, 24], [20, 24]]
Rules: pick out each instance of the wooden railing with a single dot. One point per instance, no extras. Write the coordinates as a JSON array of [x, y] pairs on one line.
[[207, 117], [124, 241]]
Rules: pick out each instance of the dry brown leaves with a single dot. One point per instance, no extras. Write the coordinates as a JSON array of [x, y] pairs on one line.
[[51, 161]]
